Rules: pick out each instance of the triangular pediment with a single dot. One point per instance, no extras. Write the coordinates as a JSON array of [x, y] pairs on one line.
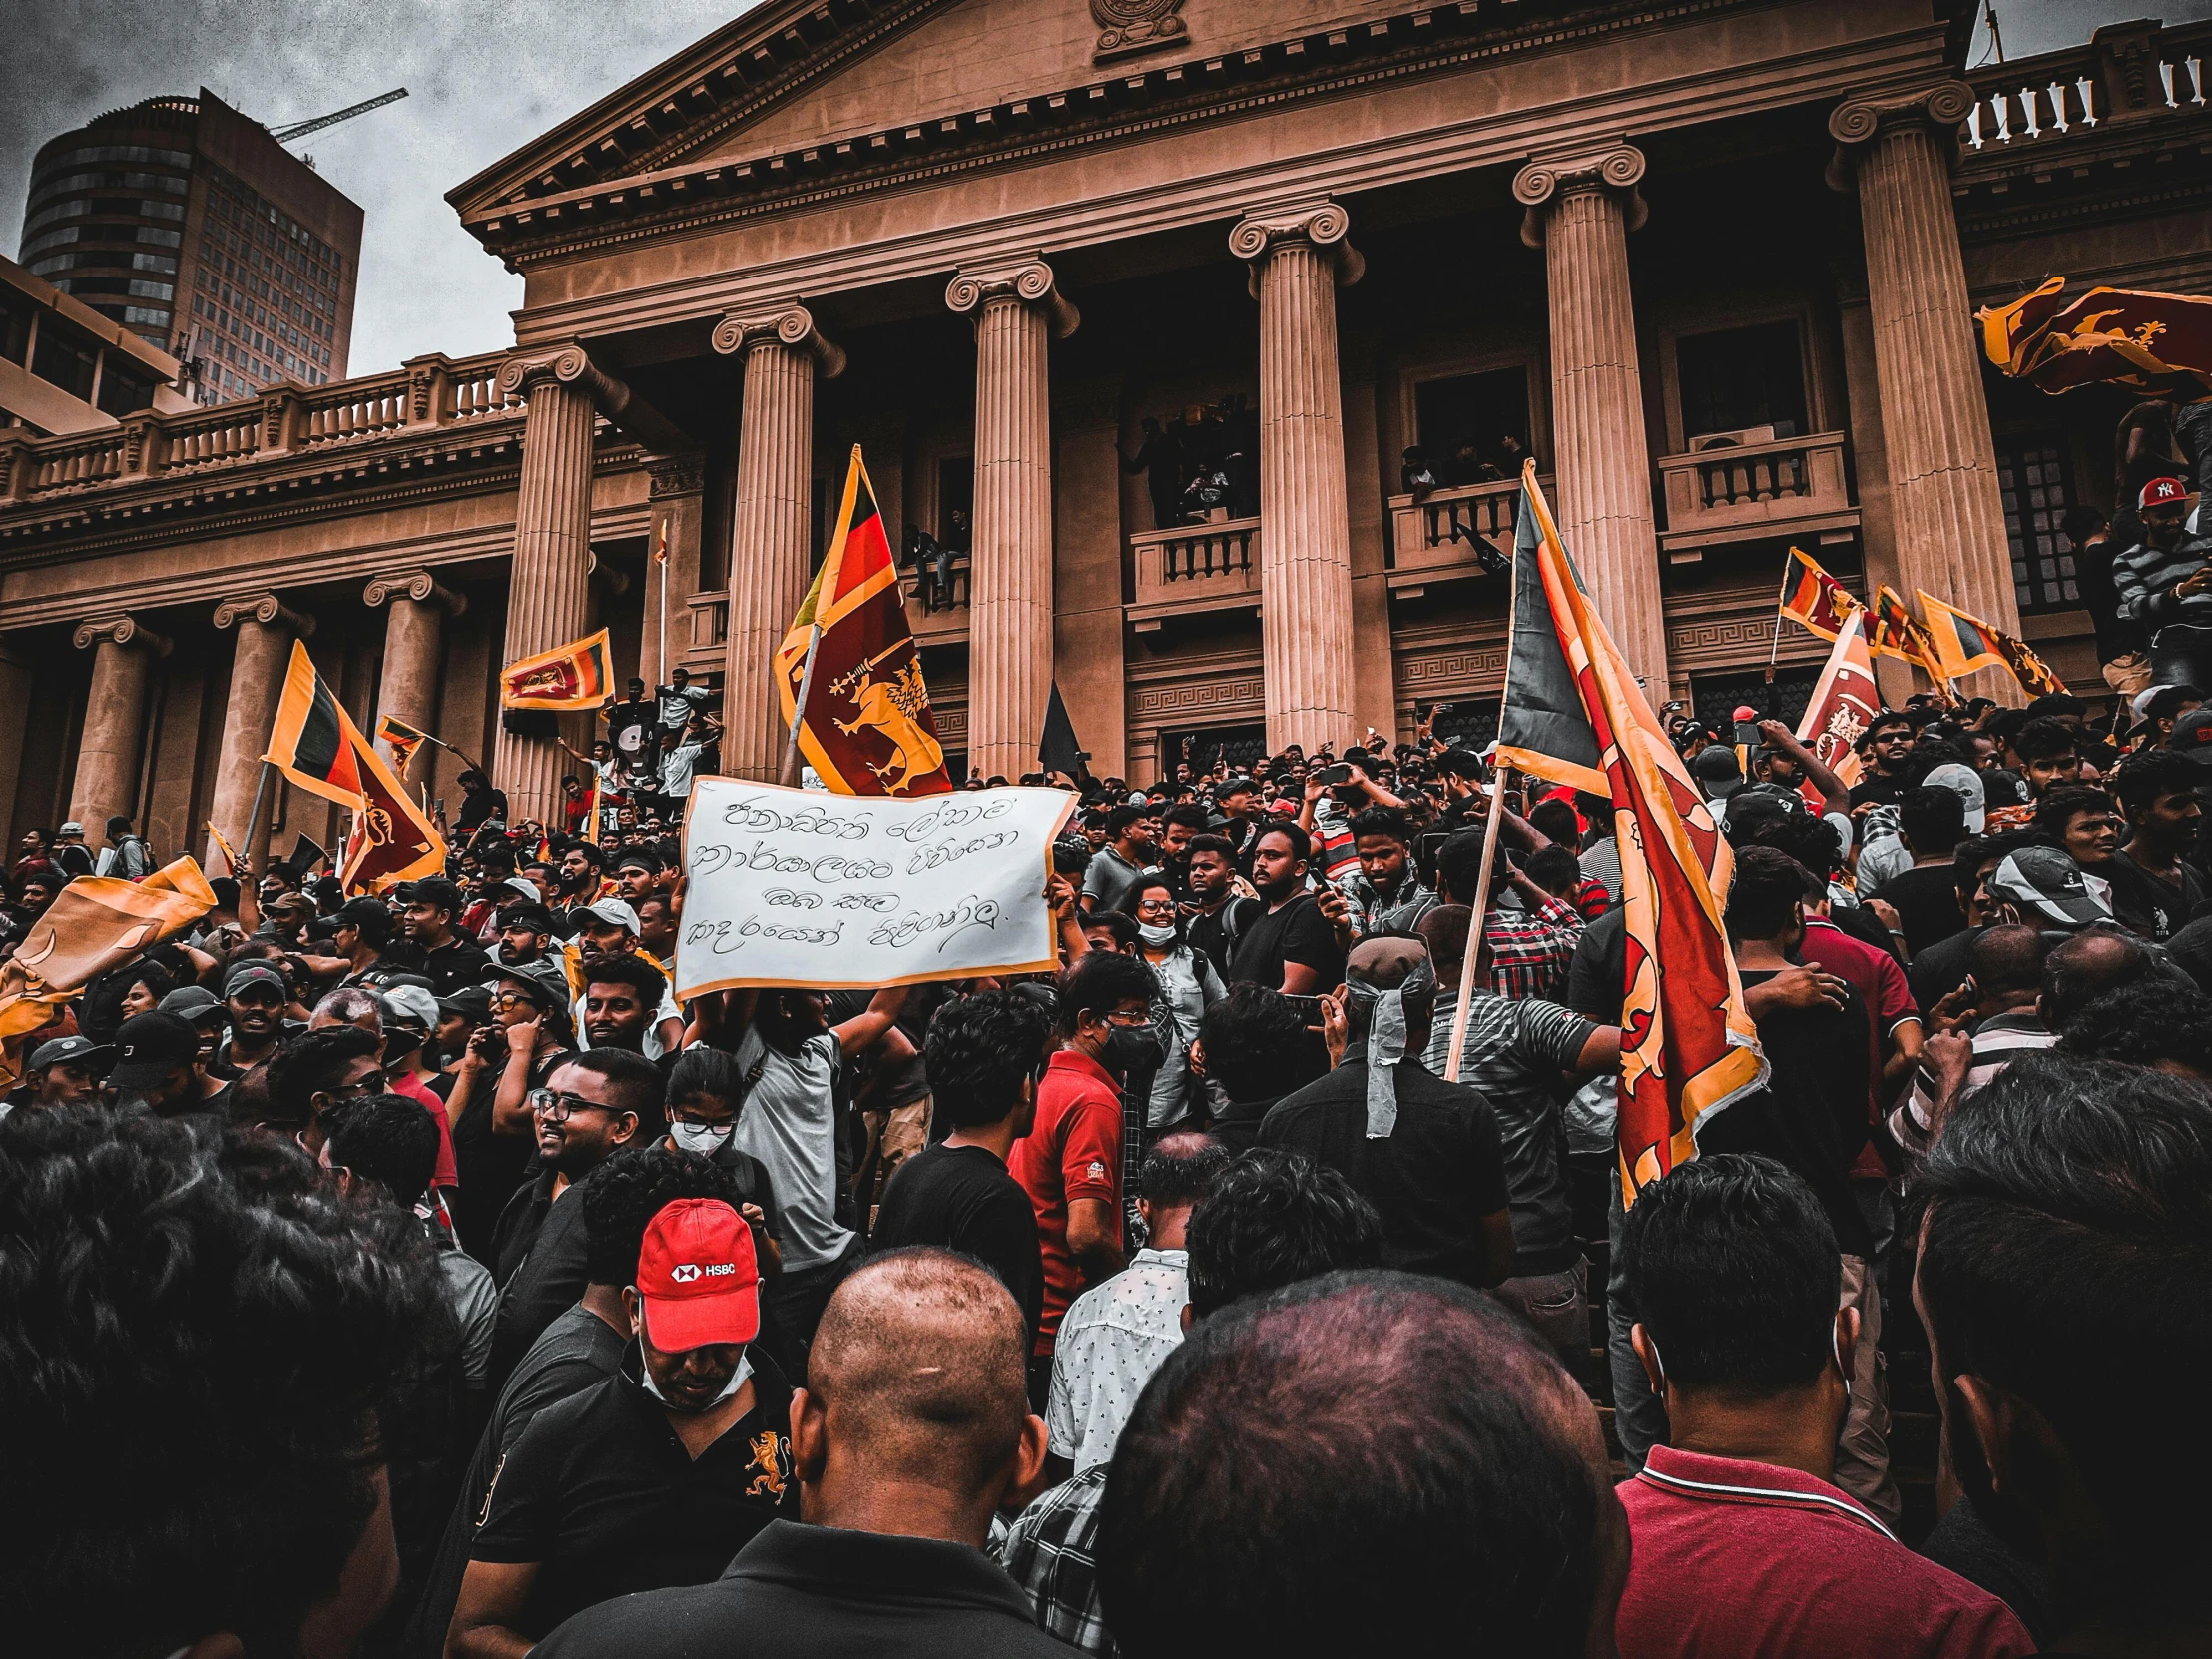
[[795, 76]]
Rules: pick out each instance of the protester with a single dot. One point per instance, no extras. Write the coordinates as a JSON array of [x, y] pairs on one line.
[[63, 1071], [909, 1436], [1426, 1153], [985, 1053], [432, 918], [2153, 891], [1288, 945], [1742, 1543], [1126, 855], [1188, 987], [1256, 1048]]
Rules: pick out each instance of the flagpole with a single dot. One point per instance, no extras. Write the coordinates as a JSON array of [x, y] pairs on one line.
[[789, 773], [261, 788], [1474, 923], [1782, 595]]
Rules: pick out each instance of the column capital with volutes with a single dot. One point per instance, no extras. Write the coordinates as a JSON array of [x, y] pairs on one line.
[[1322, 225], [1030, 280], [1935, 106], [418, 585], [265, 608], [1614, 169], [121, 628], [790, 326], [568, 364]]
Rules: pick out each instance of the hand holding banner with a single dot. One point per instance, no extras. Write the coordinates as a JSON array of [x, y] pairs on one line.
[[798, 887]]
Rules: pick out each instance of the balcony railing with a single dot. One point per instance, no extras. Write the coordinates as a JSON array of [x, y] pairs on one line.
[[424, 393], [1749, 490], [1433, 536], [936, 615], [1195, 567], [2129, 71]]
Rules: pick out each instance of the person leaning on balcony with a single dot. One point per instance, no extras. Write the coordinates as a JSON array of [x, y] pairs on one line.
[[2122, 651], [2164, 584]]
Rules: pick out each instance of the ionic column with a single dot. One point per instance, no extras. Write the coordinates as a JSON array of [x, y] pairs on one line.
[[1299, 257], [110, 749], [1947, 508], [267, 627], [771, 528], [1580, 211], [1018, 310], [549, 591], [415, 630]]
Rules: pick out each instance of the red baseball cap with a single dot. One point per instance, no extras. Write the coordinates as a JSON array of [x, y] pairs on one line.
[[2165, 492], [697, 1279]]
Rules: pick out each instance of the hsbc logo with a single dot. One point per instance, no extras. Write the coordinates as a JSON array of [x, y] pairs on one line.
[[684, 1273]]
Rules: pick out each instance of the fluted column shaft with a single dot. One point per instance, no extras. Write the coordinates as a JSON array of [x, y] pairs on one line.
[[416, 606], [549, 587], [265, 630], [1017, 314], [1949, 508], [1298, 259], [1581, 211], [111, 748]]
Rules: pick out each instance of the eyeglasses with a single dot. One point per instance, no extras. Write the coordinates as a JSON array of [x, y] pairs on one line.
[[1128, 1022], [557, 1108], [502, 1001], [1157, 908]]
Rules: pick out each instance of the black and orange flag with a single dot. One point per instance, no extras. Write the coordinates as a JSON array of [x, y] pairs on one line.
[[2153, 343], [401, 739], [392, 839], [578, 675], [1813, 597], [1965, 643], [848, 672], [311, 742]]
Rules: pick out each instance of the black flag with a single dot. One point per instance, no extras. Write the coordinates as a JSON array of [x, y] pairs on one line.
[[1058, 750]]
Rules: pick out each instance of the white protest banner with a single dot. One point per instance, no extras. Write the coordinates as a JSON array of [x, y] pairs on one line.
[[800, 887]]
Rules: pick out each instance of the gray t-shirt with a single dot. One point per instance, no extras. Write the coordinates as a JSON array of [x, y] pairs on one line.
[[790, 1124], [1512, 1056], [1108, 881]]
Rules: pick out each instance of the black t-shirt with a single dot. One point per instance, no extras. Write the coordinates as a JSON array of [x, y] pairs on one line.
[[1883, 791], [1597, 974], [1216, 937], [1942, 968], [2150, 905], [805, 1592], [1812, 1115], [490, 1166], [1434, 1178], [601, 1493], [1926, 902], [543, 1242], [961, 1198], [455, 965], [1298, 932]]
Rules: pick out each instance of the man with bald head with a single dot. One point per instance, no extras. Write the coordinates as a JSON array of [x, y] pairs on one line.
[[1366, 1462], [1426, 1153], [912, 1429]]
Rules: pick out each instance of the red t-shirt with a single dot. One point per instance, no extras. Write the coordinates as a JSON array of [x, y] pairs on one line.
[[1880, 985], [1738, 1560], [445, 1175], [1072, 1151]]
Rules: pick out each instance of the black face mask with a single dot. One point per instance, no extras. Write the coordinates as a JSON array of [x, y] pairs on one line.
[[1125, 1050]]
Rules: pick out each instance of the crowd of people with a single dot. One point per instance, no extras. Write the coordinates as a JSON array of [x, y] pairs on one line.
[[415, 1275]]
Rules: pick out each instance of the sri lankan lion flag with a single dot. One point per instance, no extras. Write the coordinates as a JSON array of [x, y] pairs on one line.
[[311, 742], [1965, 643], [1845, 700], [1896, 632], [390, 841], [2154, 343], [578, 675], [401, 739], [98, 923], [1572, 713], [867, 726], [1811, 595]]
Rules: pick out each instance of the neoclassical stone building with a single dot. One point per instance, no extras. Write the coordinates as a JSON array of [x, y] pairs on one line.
[[1711, 262]]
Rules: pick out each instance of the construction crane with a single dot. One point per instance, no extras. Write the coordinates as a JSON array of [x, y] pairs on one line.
[[300, 129]]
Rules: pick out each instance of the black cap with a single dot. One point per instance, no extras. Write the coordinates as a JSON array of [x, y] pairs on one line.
[[150, 1047], [536, 985], [433, 890], [80, 1051], [639, 860], [354, 909], [471, 1002], [526, 914]]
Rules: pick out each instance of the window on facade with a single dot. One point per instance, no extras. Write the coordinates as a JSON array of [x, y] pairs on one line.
[[1462, 422], [15, 327], [2032, 473], [1736, 378], [1714, 698], [60, 361], [123, 393]]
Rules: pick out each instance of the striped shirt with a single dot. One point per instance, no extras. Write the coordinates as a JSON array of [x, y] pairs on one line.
[[1998, 1042], [2144, 578]]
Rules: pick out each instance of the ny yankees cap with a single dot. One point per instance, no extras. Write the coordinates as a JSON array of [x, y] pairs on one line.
[[697, 1279]]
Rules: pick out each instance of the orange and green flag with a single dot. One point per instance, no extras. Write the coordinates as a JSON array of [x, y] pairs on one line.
[[1572, 713], [1965, 643], [578, 675], [312, 740], [401, 739], [865, 726]]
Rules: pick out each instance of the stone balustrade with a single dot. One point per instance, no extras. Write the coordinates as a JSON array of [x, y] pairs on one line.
[[1789, 486], [2129, 71], [1194, 567]]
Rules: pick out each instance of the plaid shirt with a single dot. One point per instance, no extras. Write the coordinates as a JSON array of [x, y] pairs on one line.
[[1052, 1553], [1530, 952]]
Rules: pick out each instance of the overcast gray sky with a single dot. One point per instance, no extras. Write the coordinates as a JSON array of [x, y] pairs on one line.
[[485, 76]]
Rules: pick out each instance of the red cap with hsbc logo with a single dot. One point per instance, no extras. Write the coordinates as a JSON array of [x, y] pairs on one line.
[[696, 1281]]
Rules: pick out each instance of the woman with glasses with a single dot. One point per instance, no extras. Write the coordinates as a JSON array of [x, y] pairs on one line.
[[1188, 987]]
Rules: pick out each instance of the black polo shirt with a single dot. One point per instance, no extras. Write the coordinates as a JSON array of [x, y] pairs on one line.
[[1434, 1178], [800, 1592], [601, 1493], [455, 965], [543, 1246], [961, 1198]]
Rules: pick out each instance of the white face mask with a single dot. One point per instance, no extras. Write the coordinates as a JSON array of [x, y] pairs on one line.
[[706, 1139], [1157, 937]]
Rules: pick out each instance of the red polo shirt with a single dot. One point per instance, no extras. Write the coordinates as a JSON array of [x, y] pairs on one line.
[[444, 1175], [1072, 1151], [1738, 1560], [1880, 985]]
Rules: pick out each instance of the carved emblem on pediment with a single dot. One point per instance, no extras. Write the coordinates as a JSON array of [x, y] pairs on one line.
[[1127, 26]]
